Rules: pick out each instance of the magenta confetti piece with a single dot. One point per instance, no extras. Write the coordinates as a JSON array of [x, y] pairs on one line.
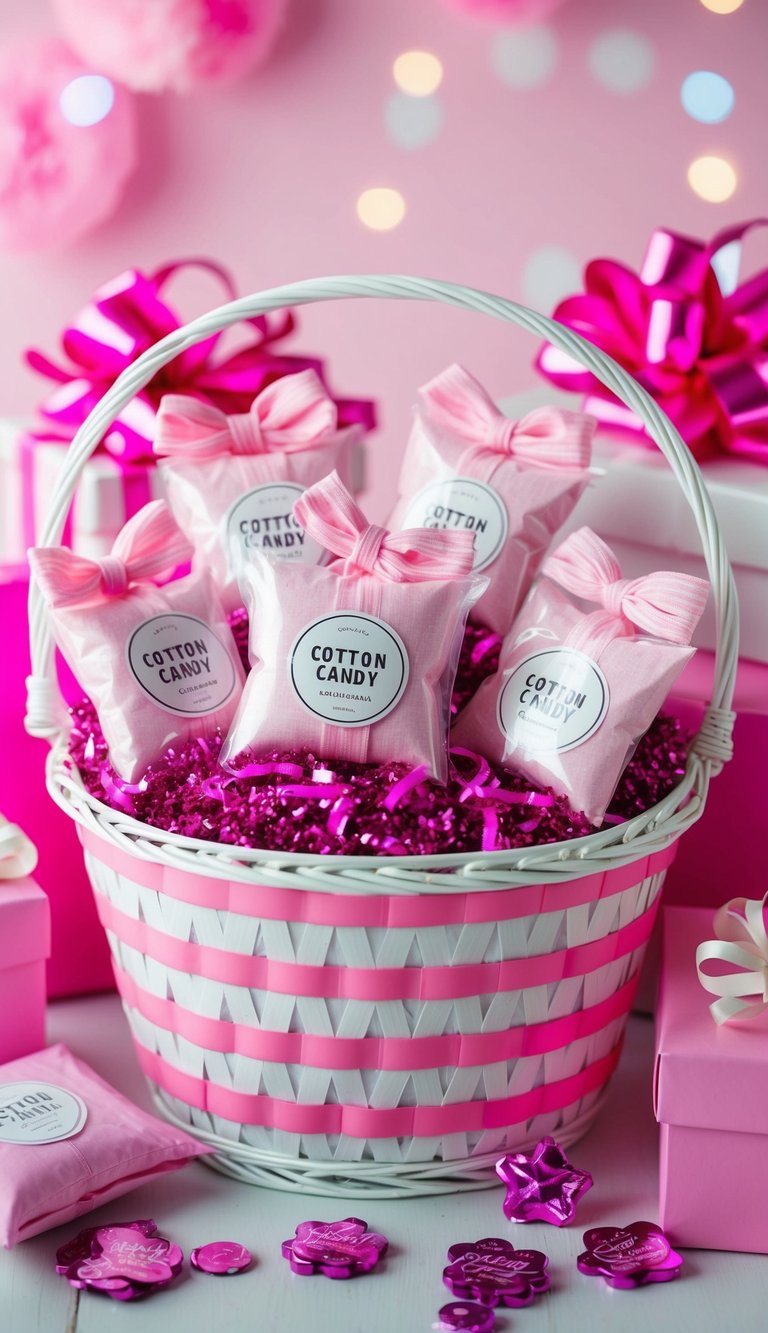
[[630, 1256], [124, 1259], [466, 1316], [221, 1257], [542, 1186], [493, 1272], [336, 1249]]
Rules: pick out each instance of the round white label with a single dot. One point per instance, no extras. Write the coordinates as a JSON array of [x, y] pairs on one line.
[[181, 664], [32, 1112], [467, 505], [553, 700], [262, 520], [349, 669]]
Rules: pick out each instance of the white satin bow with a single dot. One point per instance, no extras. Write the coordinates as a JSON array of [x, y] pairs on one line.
[[18, 856], [742, 942]]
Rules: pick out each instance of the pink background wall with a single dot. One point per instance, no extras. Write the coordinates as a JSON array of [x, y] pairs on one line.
[[265, 175]]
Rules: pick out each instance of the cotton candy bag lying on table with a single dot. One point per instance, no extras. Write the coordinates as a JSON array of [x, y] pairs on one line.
[[355, 660], [70, 1142], [233, 480], [576, 689], [158, 663], [511, 483]]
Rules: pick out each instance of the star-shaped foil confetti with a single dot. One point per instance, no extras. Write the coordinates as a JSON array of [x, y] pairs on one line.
[[542, 1186], [630, 1256], [335, 1249], [493, 1272]]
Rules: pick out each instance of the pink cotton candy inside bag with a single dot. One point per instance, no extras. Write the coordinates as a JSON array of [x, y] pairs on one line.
[[512, 484], [232, 481], [577, 688], [355, 660], [159, 663], [69, 1142]]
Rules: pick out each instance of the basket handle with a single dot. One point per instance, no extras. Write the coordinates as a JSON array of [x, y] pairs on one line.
[[713, 743]]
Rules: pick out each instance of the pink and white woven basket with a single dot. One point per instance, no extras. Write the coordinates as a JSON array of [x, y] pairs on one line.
[[381, 1026]]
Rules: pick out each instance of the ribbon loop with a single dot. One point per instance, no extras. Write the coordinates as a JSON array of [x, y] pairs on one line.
[[548, 437], [742, 943], [666, 604], [149, 546], [292, 414], [330, 515]]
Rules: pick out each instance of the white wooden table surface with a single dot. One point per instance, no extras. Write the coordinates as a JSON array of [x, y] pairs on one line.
[[723, 1292]]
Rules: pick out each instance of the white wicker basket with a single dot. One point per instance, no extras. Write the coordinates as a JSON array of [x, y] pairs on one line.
[[362, 1025]]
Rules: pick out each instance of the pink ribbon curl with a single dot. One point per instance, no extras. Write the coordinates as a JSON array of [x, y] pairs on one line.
[[330, 515], [149, 546], [547, 437], [700, 351], [666, 605], [291, 414]]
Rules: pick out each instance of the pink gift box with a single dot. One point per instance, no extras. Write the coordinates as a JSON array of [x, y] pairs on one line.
[[710, 1098], [25, 943]]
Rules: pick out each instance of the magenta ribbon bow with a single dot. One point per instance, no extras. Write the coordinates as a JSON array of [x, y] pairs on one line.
[[700, 351], [129, 314], [149, 546], [330, 515], [291, 414], [546, 437], [666, 605]]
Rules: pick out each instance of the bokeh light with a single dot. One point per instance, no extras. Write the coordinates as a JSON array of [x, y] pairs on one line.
[[381, 208], [418, 73], [707, 97], [621, 60], [712, 179], [413, 122], [722, 6], [525, 57], [87, 99]]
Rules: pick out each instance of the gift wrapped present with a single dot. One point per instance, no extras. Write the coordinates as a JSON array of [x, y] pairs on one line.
[[25, 938], [711, 1087], [696, 338]]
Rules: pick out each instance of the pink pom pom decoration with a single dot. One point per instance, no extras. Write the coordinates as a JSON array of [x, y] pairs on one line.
[[155, 45], [507, 11], [67, 146]]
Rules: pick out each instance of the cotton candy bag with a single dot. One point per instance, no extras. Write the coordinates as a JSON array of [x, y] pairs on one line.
[[511, 483], [233, 480], [159, 663], [576, 689], [69, 1142], [355, 660]]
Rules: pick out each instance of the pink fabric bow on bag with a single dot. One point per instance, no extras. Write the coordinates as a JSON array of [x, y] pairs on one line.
[[512, 484], [355, 660], [159, 663], [232, 481], [291, 414], [575, 690]]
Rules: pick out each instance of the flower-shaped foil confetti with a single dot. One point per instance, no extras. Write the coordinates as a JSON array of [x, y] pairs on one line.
[[124, 1259], [493, 1272], [542, 1186], [335, 1249], [629, 1256]]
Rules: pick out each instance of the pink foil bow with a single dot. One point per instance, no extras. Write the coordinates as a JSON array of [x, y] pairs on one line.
[[741, 944], [666, 605], [291, 414], [149, 546], [332, 518], [547, 437], [129, 314], [700, 351]]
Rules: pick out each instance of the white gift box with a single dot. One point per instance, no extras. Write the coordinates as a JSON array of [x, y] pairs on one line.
[[104, 500]]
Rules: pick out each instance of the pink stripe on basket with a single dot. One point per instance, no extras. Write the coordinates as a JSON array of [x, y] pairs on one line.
[[454, 1049], [399, 911], [372, 983], [366, 1122]]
